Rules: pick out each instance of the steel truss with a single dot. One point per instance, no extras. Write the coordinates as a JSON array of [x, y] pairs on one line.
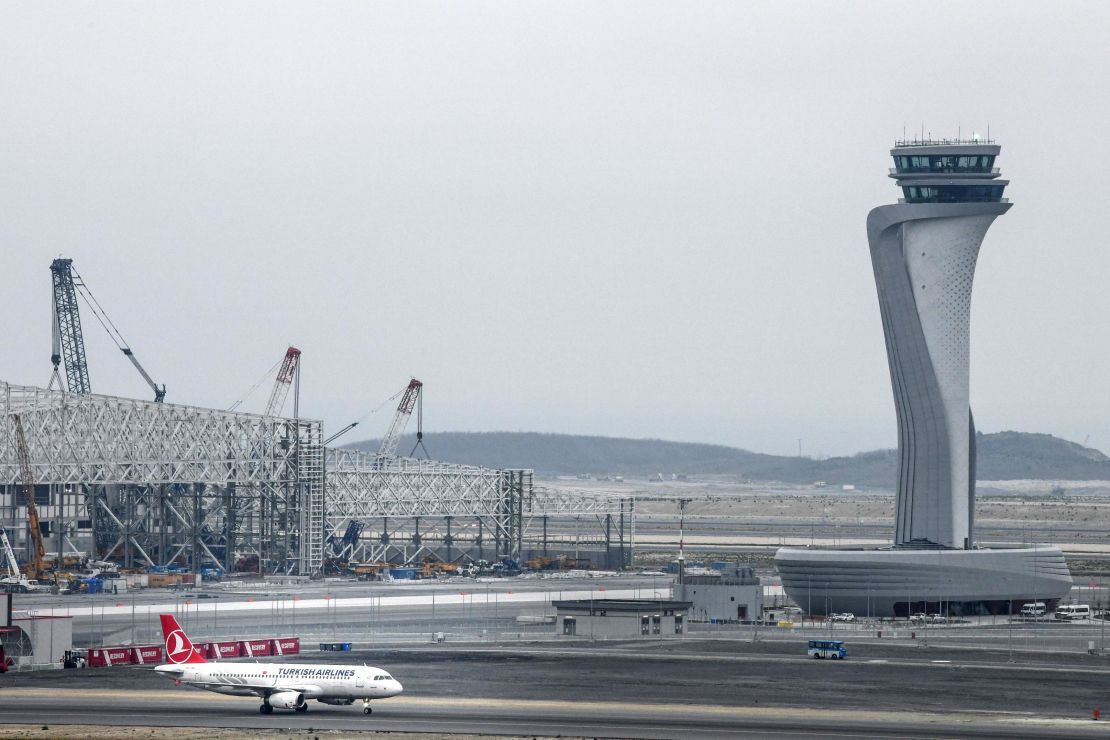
[[169, 484], [165, 484], [383, 508]]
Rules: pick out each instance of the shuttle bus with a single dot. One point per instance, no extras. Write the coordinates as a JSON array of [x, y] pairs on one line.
[[833, 649]]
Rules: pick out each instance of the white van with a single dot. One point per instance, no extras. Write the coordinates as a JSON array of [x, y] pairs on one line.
[[1035, 609], [1073, 611]]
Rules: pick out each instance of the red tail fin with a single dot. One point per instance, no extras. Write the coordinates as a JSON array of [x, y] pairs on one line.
[[179, 648]]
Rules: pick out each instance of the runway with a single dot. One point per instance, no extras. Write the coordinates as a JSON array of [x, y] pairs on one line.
[[674, 689], [516, 717]]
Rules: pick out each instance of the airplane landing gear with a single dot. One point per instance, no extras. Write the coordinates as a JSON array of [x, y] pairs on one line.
[[302, 708], [366, 707], [265, 709]]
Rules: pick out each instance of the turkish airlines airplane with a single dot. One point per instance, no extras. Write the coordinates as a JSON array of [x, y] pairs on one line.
[[279, 685]]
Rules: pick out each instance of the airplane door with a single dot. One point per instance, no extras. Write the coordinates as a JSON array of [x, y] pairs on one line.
[[359, 680]]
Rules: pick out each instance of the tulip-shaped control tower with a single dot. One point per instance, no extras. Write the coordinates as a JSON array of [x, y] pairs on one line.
[[924, 250]]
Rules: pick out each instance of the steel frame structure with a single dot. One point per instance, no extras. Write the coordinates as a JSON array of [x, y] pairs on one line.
[[166, 483], [383, 508]]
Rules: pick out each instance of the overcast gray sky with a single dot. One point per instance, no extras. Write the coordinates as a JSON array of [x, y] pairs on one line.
[[629, 219]]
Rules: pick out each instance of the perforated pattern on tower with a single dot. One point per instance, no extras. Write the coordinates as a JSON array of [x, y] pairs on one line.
[[954, 305]]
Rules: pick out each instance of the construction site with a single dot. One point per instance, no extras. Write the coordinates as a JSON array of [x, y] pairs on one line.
[[95, 485]]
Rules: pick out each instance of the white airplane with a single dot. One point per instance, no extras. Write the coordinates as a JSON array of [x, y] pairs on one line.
[[281, 685]]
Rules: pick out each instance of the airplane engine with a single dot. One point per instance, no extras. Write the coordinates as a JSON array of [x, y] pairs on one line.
[[286, 700], [336, 701]]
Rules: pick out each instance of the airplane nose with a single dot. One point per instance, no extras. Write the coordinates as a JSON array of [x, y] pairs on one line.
[[397, 687]]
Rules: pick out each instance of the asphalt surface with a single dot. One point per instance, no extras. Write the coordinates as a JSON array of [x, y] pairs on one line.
[[672, 689]]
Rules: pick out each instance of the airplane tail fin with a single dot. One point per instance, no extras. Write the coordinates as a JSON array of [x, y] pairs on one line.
[[179, 648]]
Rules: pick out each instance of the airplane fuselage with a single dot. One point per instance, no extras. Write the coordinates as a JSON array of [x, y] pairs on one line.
[[342, 684]]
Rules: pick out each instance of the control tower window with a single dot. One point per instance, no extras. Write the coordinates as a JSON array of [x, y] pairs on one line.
[[954, 194], [944, 163]]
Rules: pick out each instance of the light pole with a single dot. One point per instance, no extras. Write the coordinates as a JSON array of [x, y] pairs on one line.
[[1010, 627], [1102, 627], [809, 599]]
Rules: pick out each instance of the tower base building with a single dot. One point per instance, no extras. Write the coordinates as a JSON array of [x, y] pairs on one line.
[[924, 250], [898, 582]]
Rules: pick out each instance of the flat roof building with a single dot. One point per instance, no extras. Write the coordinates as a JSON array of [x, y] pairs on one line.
[[733, 595], [620, 618]]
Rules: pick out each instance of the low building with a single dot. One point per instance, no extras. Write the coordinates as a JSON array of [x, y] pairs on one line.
[[621, 618], [733, 595], [37, 640]]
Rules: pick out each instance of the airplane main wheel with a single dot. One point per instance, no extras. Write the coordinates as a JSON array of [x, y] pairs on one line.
[[265, 709], [302, 708]]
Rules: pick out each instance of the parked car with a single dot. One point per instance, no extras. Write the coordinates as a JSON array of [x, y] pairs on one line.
[[918, 618], [843, 617], [938, 619]]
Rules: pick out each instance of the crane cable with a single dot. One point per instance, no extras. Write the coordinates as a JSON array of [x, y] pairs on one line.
[[99, 312], [364, 417], [269, 373]]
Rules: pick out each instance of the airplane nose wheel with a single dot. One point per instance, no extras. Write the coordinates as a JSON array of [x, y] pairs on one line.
[[366, 709]]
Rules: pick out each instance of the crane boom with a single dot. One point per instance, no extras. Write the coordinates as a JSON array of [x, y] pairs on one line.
[[404, 412], [9, 555], [36, 566], [69, 342], [284, 381]]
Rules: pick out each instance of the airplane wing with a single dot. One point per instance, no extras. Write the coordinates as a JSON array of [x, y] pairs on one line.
[[257, 688]]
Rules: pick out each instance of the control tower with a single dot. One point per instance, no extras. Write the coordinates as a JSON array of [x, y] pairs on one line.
[[923, 250]]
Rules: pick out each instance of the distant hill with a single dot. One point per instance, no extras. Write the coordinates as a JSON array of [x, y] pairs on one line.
[[1002, 456]]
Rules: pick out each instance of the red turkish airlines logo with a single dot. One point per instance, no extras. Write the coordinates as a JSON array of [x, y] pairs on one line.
[[178, 647]]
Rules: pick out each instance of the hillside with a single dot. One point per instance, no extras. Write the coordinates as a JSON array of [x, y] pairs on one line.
[[1002, 456]]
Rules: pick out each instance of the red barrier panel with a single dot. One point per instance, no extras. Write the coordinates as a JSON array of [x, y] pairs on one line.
[[285, 646], [103, 657], [254, 648], [220, 650], [146, 654]]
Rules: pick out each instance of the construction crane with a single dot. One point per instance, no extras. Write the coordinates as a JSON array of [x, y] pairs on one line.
[[284, 381], [69, 342], [409, 398], [36, 565]]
